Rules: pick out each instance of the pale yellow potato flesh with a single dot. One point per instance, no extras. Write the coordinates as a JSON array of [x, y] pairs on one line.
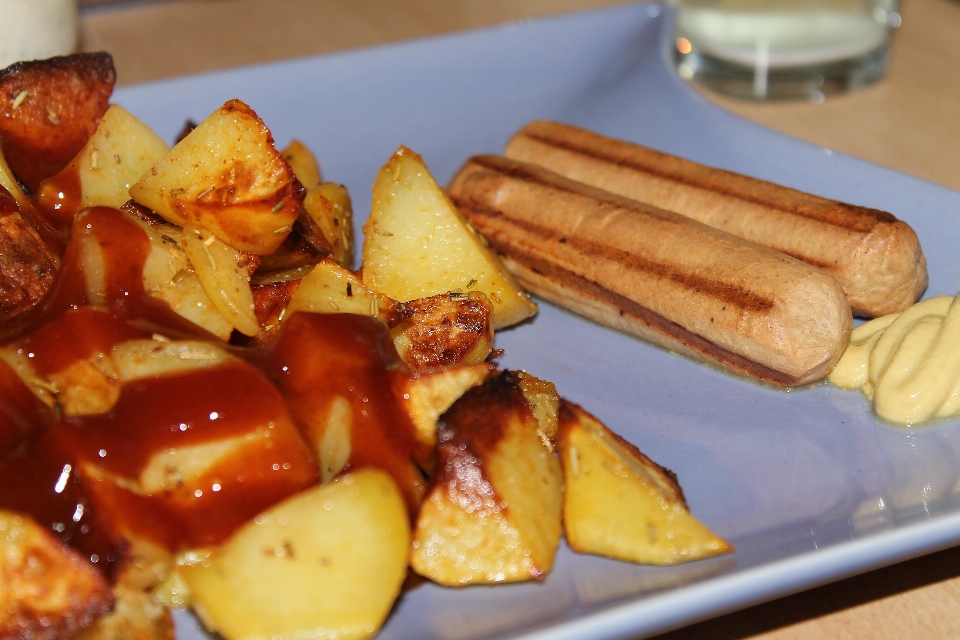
[[227, 177], [620, 504], [303, 163], [326, 563], [114, 158], [416, 244], [330, 288], [329, 206], [225, 281]]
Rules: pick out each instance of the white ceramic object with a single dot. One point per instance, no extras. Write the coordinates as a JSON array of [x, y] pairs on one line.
[[808, 484], [36, 29]]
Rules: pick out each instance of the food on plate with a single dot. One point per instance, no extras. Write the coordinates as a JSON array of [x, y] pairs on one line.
[[27, 264], [120, 150], [49, 109], [199, 409], [49, 590], [908, 363], [492, 511], [876, 258], [326, 563], [416, 244], [606, 479], [227, 177], [656, 274]]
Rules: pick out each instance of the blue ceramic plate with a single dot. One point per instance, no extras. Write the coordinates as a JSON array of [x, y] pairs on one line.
[[807, 484]]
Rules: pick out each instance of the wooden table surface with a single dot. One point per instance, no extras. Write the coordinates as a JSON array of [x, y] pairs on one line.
[[910, 121]]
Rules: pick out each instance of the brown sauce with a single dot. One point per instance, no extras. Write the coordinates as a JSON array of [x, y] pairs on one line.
[[84, 476], [317, 357]]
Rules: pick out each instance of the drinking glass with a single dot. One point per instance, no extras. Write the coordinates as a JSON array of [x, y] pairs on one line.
[[773, 49]]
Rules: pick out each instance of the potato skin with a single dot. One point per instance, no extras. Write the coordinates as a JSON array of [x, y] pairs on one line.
[[65, 98]]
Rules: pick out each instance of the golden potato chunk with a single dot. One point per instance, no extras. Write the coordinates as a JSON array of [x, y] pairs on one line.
[[621, 504], [330, 288], [326, 563], [227, 177], [115, 157], [330, 207], [416, 244], [492, 510], [544, 401], [47, 591], [303, 163], [136, 616]]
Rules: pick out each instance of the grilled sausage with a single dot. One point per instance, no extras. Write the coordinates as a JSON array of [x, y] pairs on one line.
[[876, 257], [656, 274]]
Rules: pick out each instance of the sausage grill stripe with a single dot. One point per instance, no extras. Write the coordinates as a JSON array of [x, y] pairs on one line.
[[575, 283], [846, 216], [731, 295]]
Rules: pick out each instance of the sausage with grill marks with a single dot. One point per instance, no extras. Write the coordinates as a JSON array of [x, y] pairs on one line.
[[656, 274], [876, 258]]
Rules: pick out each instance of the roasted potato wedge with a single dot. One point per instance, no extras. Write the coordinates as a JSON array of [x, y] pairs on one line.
[[326, 563], [47, 590], [49, 109], [445, 329], [492, 510], [621, 504], [416, 244], [330, 207], [544, 401], [226, 177], [303, 163], [114, 158], [136, 615], [330, 288], [27, 265], [222, 272]]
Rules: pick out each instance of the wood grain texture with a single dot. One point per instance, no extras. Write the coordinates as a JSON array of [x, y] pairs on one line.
[[910, 121]]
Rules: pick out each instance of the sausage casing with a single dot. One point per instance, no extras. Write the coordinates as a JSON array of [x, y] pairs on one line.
[[656, 274], [876, 257]]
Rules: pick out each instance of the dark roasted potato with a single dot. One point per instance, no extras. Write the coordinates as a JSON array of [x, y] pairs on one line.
[[27, 265], [450, 328], [47, 591], [49, 109]]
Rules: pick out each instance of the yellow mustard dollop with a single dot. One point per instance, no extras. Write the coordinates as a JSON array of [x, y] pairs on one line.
[[908, 363]]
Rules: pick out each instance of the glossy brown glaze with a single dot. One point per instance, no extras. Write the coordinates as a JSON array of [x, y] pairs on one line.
[[319, 357], [58, 198], [82, 476]]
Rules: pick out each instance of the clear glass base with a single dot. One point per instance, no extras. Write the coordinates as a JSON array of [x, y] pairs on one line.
[[782, 83]]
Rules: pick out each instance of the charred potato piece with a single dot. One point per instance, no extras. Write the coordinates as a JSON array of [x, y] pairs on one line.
[[227, 177], [621, 504], [47, 591], [136, 616], [449, 328], [27, 266], [305, 246], [49, 109], [492, 510]]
